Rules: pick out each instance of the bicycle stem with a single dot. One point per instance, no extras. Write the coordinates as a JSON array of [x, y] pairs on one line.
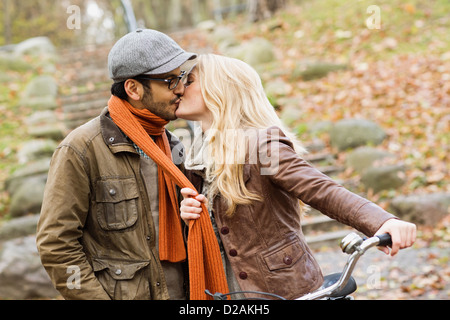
[[357, 249]]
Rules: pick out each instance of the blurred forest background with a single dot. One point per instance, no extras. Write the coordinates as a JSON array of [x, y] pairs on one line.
[[365, 84], [104, 20]]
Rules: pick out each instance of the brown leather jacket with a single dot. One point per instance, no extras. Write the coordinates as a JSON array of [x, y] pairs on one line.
[[264, 241]]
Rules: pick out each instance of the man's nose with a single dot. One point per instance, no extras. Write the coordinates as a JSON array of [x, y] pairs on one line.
[[179, 89]]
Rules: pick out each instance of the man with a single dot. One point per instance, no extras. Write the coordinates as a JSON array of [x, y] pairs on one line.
[[105, 199]]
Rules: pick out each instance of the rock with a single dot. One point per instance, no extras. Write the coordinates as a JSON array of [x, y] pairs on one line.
[[40, 103], [290, 114], [384, 177], [316, 145], [41, 117], [258, 51], [223, 37], [19, 227], [207, 25], [38, 168], [320, 127], [12, 63], [427, 209], [287, 101], [45, 124], [36, 149], [255, 52], [363, 158], [41, 86], [38, 46], [277, 88], [315, 70], [53, 131], [28, 197], [352, 133], [40, 93], [22, 275]]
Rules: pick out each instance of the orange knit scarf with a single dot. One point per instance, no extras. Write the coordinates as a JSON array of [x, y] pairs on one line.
[[205, 262]]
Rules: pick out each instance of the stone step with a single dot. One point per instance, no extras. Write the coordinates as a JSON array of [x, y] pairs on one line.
[[320, 223], [72, 124], [323, 231], [97, 53], [76, 114], [84, 80], [320, 158], [325, 162], [328, 239], [330, 170], [103, 91], [72, 110], [84, 115]]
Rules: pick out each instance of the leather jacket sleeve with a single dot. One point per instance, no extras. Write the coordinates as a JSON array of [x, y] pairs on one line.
[[298, 177], [63, 215]]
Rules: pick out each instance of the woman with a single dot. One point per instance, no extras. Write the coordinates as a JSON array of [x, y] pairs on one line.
[[250, 173]]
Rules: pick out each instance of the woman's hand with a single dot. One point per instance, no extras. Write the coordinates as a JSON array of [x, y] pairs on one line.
[[403, 235], [191, 205]]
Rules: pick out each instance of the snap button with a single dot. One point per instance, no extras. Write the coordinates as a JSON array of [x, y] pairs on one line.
[[225, 230], [233, 252], [118, 272], [111, 139], [287, 260], [243, 275], [112, 192]]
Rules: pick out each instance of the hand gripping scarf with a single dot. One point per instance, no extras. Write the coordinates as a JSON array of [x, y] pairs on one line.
[[204, 259]]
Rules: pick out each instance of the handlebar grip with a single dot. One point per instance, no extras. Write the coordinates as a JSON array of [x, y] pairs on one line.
[[385, 240]]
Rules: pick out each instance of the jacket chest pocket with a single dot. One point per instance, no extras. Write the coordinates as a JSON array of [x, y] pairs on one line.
[[283, 257], [288, 269], [117, 201]]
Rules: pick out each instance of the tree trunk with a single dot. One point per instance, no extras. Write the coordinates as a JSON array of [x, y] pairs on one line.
[[274, 5], [175, 14], [263, 9], [217, 12], [7, 21]]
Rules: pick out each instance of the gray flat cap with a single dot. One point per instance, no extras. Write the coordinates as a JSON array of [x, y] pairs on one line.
[[145, 51]]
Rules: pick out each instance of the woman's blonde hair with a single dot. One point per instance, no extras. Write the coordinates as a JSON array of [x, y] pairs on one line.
[[233, 92]]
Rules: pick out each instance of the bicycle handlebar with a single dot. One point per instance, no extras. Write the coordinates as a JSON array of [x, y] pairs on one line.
[[354, 245], [385, 240]]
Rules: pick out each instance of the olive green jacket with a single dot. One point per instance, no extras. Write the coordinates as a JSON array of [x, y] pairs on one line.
[[96, 236]]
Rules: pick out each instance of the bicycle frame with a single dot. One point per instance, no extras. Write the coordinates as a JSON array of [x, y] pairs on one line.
[[354, 245]]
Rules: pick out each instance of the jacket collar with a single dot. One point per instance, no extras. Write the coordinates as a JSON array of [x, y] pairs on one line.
[[117, 141], [113, 137]]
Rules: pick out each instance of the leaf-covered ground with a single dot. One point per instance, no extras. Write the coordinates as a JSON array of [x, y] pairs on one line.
[[397, 75]]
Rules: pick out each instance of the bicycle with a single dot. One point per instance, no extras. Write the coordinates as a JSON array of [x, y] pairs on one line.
[[336, 286]]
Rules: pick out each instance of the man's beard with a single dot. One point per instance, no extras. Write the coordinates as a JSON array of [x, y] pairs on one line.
[[160, 109]]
